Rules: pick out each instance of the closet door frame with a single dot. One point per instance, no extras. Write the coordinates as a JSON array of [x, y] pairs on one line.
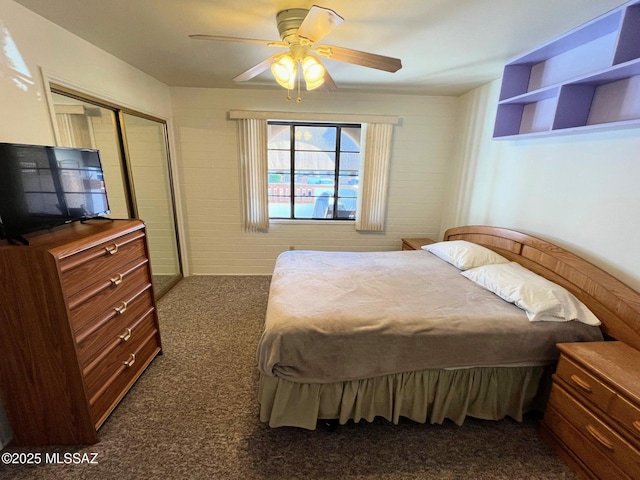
[[127, 175]]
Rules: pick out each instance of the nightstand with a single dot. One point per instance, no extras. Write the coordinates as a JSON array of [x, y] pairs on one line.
[[415, 243], [593, 414]]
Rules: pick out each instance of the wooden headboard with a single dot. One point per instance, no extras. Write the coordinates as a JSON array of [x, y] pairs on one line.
[[613, 302]]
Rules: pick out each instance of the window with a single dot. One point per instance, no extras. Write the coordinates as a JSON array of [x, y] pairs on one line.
[[314, 170]]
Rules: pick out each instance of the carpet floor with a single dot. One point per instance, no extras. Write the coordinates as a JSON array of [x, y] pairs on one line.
[[193, 415]]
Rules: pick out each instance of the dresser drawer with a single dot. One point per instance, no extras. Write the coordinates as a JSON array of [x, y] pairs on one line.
[[122, 378], [584, 383], [108, 294], [596, 438], [97, 373], [628, 415], [112, 327], [100, 261]]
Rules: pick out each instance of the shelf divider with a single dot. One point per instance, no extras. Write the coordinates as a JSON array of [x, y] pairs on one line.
[[574, 104]]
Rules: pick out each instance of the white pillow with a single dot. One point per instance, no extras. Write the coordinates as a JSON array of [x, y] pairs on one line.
[[463, 254], [540, 298]]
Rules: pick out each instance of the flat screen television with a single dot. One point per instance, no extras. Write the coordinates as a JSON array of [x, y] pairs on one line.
[[42, 187]]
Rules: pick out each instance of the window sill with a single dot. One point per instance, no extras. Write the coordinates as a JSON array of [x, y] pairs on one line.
[[286, 221]]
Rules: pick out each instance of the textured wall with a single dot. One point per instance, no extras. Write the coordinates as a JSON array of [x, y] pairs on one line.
[[580, 191], [207, 150]]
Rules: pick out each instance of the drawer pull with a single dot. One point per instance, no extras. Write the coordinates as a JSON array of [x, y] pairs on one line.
[[131, 361], [602, 440], [581, 383], [121, 309], [112, 249], [126, 335], [117, 280]]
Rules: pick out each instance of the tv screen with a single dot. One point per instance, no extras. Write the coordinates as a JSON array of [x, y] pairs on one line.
[[43, 187]]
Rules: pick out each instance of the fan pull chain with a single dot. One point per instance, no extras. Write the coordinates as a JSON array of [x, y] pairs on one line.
[[299, 99]]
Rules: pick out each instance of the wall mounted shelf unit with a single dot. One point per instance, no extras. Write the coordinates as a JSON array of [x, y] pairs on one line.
[[588, 78]]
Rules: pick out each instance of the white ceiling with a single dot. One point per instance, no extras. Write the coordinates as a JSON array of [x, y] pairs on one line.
[[447, 47]]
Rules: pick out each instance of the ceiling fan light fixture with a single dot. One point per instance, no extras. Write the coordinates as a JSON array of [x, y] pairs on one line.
[[300, 31], [284, 71], [313, 72]]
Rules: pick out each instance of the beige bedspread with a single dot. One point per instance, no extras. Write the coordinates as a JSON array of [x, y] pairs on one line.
[[341, 316]]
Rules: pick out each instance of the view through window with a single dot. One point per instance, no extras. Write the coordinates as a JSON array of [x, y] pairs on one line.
[[313, 170]]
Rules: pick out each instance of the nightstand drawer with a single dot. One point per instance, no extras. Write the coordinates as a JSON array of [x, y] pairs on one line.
[[597, 461], [628, 415], [600, 437], [585, 384]]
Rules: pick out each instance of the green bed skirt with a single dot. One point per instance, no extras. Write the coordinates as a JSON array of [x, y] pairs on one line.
[[489, 393]]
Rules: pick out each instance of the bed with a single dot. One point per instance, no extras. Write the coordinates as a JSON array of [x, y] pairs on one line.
[[359, 335]]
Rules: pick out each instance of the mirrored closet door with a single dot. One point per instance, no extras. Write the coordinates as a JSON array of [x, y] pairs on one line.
[[134, 152]]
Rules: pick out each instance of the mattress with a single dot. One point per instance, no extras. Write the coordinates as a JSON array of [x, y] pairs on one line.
[[342, 316]]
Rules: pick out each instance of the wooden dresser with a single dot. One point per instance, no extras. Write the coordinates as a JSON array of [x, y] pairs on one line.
[[593, 415], [79, 326]]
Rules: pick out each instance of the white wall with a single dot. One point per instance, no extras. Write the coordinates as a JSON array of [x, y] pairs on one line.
[[580, 191], [420, 166], [41, 44], [23, 95]]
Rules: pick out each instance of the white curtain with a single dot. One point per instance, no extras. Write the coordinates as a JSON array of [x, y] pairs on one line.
[[252, 141], [374, 169], [374, 172], [74, 126]]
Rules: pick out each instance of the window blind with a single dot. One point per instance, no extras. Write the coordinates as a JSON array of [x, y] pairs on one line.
[[252, 144], [374, 174]]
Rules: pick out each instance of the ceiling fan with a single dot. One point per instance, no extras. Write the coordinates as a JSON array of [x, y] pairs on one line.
[[300, 31]]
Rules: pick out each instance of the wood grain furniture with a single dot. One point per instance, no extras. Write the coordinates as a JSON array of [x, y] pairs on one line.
[[593, 414], [588, 78], [617, 306], [415, 243], [79, 326]]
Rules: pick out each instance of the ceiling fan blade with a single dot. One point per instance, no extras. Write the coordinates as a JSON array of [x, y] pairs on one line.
[[269, 43], [329, 85], [318, 23], [371, 60], [256, 69]]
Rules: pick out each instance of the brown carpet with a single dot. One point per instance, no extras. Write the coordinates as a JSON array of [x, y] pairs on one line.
[[193, 415]]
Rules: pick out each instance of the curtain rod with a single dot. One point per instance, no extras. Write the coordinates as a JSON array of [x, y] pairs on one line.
[[312, 116]]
